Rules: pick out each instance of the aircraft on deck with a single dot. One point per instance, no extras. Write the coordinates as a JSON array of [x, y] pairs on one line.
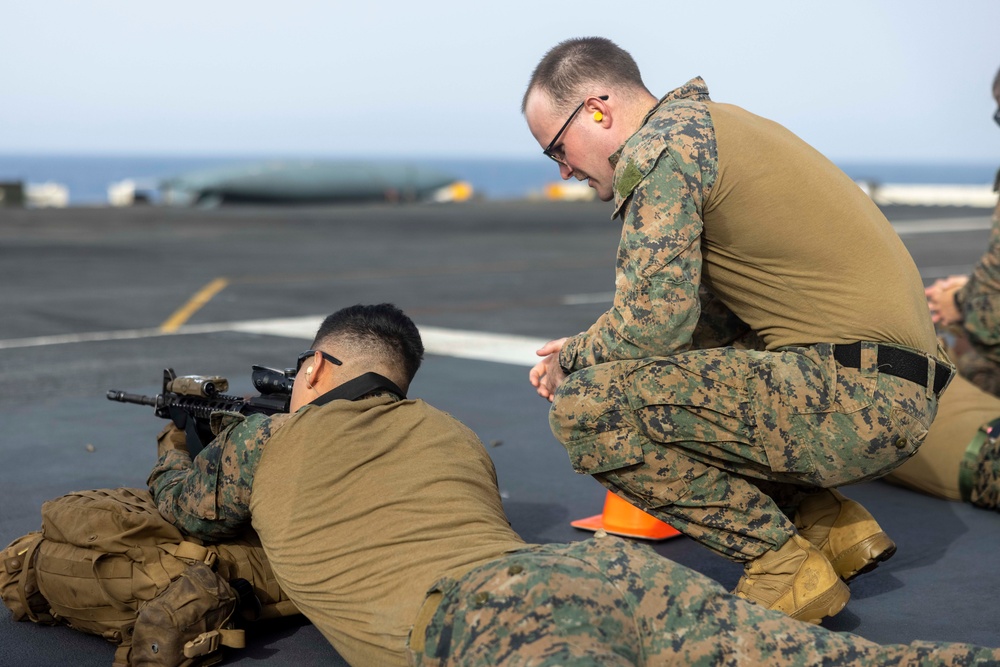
[[312, 182]]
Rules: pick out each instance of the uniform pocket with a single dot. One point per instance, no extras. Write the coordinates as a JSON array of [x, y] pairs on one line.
[[792, 382], [909, 431], [907, 419], [855, 389], [782, 394], [789, 441], [605, 450], [650, 490]]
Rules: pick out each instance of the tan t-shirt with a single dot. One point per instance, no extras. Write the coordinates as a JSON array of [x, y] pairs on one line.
[[363, 505], [713, 196], [795, 248]]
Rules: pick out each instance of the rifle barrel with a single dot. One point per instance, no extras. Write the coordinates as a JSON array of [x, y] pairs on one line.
[[140, 399]]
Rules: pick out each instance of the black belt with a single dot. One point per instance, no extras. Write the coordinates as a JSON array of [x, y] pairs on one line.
[[896, 361]]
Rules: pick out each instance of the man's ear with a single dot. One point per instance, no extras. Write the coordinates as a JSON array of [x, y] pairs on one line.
[[320, 372], [308, 376], [599, 111]]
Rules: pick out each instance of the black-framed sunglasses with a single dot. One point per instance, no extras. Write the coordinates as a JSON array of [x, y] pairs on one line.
[[551, 150], [308, 353]]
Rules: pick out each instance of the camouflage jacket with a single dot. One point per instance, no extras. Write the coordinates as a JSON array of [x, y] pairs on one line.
[[209, 497], [979, 299], [663, 175]]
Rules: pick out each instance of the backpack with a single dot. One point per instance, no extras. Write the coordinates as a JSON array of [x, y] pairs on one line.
[[107, 563]]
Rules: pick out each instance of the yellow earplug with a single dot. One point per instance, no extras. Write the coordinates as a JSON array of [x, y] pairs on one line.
[[598, 116]]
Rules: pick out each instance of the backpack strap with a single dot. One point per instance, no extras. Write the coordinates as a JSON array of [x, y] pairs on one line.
[[115, 603], [208, 642], [122, 654], [150, 558], [160, 572], [23, 588], [188, 550]]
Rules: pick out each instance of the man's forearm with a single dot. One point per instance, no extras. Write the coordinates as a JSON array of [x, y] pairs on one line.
[[186, 496], [659, 321], [979, 299]]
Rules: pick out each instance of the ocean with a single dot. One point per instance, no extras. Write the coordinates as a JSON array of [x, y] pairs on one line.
[[88, 177]]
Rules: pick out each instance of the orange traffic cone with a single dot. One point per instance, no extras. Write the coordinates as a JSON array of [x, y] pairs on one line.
[[622, 518]]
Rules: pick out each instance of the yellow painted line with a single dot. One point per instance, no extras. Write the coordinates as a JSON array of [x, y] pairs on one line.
[[184, 313]]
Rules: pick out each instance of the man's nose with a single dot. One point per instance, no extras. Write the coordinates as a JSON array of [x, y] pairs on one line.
[[565, 171]]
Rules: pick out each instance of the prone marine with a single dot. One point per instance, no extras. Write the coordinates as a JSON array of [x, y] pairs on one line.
[[382, 521]]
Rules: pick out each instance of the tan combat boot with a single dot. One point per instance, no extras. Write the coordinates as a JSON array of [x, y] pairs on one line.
[[796, 579], [844, 531]]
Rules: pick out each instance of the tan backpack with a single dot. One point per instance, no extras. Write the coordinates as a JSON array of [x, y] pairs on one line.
[[107, 563]]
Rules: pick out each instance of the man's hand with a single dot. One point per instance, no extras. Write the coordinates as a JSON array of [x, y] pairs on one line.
[[169, 438], [547, 374], [941, 299]]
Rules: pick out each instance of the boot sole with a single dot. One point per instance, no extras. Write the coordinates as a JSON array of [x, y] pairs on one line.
[[829, 603], [864, 556]]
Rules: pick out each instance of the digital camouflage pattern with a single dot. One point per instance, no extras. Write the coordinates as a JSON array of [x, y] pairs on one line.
[[980, 297], [986, 476], [656, 307], [722, 443], [976, 341], [972, 360], [975, 348], [607, 601], [209, 498]]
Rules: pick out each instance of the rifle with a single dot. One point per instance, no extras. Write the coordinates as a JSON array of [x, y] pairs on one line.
[[190, 400]]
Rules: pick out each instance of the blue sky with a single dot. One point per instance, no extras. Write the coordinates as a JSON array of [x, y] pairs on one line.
[[883, 80]]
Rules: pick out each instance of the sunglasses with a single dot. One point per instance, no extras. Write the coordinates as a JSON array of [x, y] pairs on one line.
[[556, 152], [309, 353]]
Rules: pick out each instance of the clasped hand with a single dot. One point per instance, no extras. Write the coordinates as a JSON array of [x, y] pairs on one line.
[[941, 299], [547, 374]]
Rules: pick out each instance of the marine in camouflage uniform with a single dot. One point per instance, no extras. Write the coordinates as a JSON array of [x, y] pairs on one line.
[[382, 520], [971, 324], [716, 440], [719, 441], [975, 340]]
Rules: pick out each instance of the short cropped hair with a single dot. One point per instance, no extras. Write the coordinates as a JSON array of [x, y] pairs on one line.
[[381, 331], [574, 64]]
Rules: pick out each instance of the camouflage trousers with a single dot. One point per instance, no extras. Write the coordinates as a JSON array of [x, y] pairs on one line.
[[722, 443], [985, 491], [607, 602]]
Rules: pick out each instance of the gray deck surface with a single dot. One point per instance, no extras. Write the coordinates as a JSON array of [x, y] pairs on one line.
[[492, 267]]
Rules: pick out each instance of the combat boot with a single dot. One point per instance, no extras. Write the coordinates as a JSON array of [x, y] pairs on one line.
[[796, 579], [844, 531]]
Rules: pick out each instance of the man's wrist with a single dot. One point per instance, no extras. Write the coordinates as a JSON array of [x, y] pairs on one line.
[[567, 356], [958, 298]]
